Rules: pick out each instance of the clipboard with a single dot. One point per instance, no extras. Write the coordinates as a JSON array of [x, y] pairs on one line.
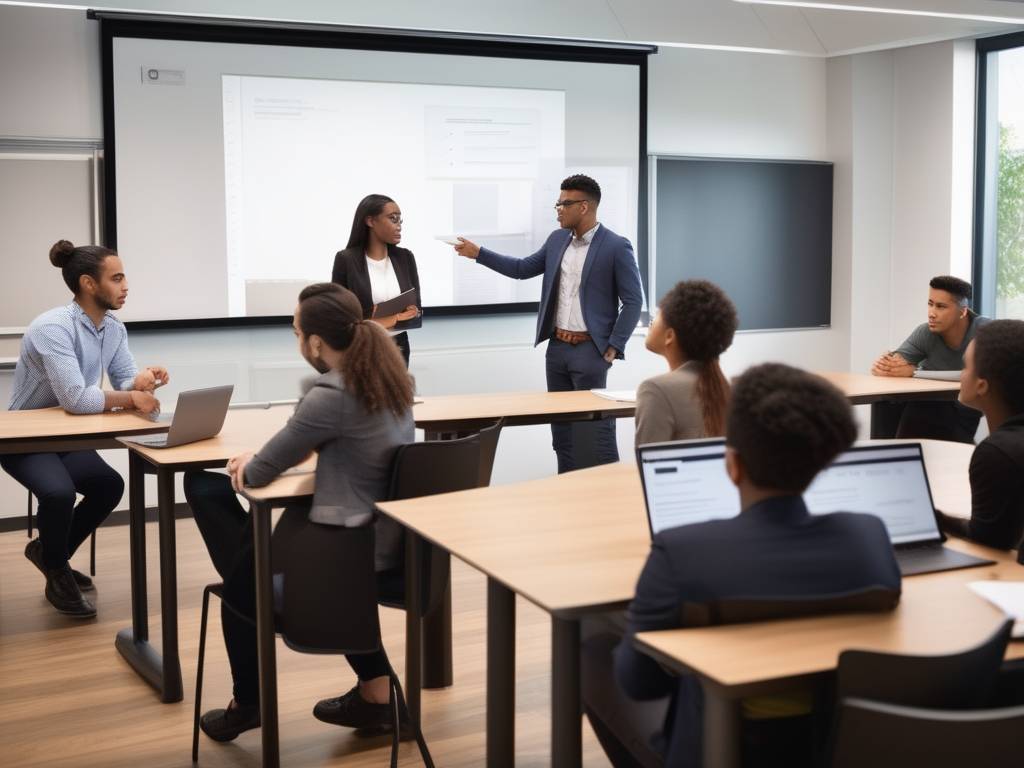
[[398, 304]]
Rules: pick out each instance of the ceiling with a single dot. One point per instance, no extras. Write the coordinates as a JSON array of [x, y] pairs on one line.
[[728, 23]]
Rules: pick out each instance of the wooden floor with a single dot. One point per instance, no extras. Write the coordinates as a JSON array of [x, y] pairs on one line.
[[68, 699]]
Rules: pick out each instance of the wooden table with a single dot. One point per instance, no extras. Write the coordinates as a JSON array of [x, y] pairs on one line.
[[248, 429], [45, 430], [863, 388], [572, 545]]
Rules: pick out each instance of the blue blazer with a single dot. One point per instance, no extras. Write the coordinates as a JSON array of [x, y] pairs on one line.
[[610, 293], [773, 549]]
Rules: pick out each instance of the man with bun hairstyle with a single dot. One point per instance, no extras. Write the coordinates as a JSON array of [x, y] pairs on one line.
[[783, 427], [63, 356]]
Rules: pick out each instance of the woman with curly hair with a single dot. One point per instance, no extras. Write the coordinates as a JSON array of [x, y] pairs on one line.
[[694, 326]]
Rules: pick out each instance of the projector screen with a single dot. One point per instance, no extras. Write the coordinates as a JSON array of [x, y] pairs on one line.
[[237, 167]]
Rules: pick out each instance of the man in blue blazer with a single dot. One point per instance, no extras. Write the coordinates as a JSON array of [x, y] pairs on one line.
[[590, 303]]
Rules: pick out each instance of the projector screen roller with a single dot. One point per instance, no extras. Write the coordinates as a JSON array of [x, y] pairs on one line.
[[238, 167]]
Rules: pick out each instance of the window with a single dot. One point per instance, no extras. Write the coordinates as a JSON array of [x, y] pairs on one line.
[[999, 188]]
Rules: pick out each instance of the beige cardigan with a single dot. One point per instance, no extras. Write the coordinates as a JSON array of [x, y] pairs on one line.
[[667, 407]]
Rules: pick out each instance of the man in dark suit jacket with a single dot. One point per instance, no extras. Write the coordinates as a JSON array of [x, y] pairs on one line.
[[590, 303], [784, 426]]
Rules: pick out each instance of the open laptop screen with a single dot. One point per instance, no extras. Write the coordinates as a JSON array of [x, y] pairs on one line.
[[886, 481], [685, 482]]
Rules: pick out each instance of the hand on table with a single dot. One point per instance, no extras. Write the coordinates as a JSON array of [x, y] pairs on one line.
[[150, 377], [892, 364], [236, 469]]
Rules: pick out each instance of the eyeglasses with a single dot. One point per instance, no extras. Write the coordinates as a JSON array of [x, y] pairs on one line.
[[567, 203], [394, 218]]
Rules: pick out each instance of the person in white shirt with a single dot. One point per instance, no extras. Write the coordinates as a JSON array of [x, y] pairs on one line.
[[376, 270]]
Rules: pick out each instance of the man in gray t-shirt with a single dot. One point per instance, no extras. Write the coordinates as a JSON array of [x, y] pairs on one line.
[[937, 345]]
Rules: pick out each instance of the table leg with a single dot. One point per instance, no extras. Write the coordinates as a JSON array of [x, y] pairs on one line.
[[265, 636], [413, 624], [721, 730], [164, 674], [437, 628], [566, 707], [501, 675]]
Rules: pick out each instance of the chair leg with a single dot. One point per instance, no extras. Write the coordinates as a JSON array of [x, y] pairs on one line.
[[199, 675], [396, 721], [400, 706], [30, 514], [92, 554]]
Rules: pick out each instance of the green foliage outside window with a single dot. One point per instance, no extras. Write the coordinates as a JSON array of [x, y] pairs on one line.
[[1010, 217]]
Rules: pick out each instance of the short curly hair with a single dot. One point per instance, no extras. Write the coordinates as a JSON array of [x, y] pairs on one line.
[[787, 425], [702, 316], [999, 358], [960, 289], [581, 183]]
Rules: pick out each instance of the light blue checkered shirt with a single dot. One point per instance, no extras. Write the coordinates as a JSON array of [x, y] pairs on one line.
[[63, 356]]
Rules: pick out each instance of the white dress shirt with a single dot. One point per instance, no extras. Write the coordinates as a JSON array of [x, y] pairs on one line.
[[569, 315], [383, 282]]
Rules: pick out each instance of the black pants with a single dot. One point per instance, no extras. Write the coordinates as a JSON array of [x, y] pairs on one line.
[[572, 367], [402, 341], [924, 419], [54, 479], [226, 529]]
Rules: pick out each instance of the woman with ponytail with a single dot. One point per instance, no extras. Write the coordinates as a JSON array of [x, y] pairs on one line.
[[357, 412], [694, 326]]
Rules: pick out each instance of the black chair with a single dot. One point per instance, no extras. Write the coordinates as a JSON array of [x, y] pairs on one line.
[[92, 539], [488, 449], [965, 680], [311, 619], [890, 736], [743, 609]]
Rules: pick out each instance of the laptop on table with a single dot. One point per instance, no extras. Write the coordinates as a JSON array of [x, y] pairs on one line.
[[685, 482], [198, 415]]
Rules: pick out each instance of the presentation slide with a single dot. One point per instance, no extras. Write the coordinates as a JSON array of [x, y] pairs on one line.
[[239, 167], [890, 484]]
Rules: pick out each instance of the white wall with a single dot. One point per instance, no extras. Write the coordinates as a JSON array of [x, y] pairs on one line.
[[700, 102]]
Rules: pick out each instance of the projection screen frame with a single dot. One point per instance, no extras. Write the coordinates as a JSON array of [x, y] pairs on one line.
[[115, 24]]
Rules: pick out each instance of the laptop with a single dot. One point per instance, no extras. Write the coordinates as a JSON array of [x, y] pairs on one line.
[[198, 415], [685, 482]]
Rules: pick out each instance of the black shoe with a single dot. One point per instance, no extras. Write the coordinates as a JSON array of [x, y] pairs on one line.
[[353, 711], [226, 724], [34, 553], [64, 595]]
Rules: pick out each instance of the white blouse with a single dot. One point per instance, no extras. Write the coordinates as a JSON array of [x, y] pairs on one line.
[[383, 282]]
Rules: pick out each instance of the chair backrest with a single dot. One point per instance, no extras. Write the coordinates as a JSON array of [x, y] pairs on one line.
[[488, 449], [743, 609], [328, 588], [435, 466], [890, 736], [963, 680]]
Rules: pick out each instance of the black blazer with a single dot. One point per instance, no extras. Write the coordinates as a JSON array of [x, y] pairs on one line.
[[350, 271], [774, 549]]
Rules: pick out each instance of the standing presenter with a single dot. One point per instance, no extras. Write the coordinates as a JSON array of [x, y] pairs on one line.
[[376, 270], [590, 303]]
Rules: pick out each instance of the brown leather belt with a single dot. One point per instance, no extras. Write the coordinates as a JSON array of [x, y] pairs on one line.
[[571, 337]]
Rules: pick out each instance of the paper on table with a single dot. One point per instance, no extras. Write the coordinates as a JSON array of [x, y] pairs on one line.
[[398, 304], [618, 395], [1007, 596], [937, 375]]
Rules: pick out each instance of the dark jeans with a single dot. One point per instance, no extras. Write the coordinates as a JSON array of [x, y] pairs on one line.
[[226, 529], [402, 341], [573, 367], [924, 419], [54, 479]]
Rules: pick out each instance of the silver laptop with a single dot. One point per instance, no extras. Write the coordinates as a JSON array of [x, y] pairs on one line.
[[685, 482], [198, 415]]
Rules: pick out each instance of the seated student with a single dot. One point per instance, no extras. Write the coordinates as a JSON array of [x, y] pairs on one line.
[[937, 345], [993, 382], [783, 427], [63, 356], [694, 326], [357, 413]]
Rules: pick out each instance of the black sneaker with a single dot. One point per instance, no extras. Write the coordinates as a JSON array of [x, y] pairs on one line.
[[353, 711], [226, 724], [64, 595], [34, 553]]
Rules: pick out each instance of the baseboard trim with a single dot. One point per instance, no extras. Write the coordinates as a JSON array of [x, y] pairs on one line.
[[120, 517]]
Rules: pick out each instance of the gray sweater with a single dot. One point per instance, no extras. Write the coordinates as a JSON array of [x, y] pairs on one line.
[[355, 451], [929, 352]]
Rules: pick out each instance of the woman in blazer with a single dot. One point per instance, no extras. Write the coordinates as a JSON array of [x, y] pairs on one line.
[[375, 269]]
